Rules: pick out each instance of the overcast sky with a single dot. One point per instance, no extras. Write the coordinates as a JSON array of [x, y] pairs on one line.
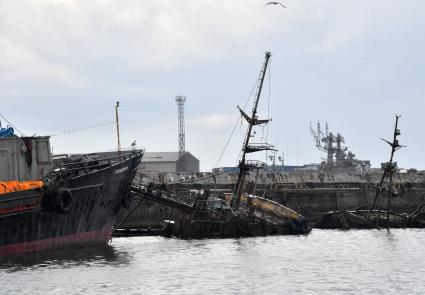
[[354, 64]]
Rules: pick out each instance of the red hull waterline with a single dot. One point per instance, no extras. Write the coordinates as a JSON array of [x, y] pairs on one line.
[[98, 236]]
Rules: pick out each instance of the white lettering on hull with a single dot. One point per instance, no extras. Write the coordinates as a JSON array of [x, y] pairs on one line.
[[121, 170]]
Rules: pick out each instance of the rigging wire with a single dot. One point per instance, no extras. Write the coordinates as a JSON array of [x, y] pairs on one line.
[[255, 85], [82, 129], [227, 143], [268, 105], [77, 113], [128, 215], [10, 124], [237, 123], [60, 133]]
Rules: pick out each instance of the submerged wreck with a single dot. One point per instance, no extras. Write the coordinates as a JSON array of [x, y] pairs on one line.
[[213, 214], [368, 219], [372, 217], [209, 215]]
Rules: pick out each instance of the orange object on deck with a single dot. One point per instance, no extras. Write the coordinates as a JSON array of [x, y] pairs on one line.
[[16, 186]]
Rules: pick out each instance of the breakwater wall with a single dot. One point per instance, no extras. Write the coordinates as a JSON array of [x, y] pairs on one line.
[[310, 193]]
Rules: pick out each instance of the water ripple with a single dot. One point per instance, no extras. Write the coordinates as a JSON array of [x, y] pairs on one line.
[[326, 261]]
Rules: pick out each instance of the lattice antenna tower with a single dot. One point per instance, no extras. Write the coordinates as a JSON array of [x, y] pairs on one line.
[[180, 100]]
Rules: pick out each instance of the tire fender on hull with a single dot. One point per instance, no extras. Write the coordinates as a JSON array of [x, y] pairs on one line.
[[63, 200], [59, 201]]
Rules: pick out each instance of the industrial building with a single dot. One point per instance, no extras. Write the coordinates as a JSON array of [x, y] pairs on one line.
[[169, 162], [172, 162], [162, 162]]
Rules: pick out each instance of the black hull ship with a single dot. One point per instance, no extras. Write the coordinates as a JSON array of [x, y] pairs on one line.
[[76, 204]]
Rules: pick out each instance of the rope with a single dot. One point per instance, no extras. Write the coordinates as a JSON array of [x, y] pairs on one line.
[[11, 124]]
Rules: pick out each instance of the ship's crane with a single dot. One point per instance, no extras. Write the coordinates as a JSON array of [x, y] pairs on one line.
[[327, 129], [325, 142], [318, 134], [337, 154]]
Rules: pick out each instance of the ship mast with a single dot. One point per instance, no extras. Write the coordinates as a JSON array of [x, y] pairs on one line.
[[389, 170], [246, 166], [117, 122]]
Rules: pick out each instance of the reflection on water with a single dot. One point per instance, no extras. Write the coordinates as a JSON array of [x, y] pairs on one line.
[[326, 261], [97, 255]]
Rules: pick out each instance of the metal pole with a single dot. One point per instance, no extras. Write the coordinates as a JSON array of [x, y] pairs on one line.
[[388, 170], [395, 146], [242, 167], [389, 199], [180, 104], [118, 125]]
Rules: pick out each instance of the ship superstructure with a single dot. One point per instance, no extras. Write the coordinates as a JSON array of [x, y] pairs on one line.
[[338, 155]]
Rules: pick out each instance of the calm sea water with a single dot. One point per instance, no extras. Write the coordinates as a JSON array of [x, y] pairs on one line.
[[324, 262]]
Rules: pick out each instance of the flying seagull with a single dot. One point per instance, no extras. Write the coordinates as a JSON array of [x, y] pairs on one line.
[[275, 3]]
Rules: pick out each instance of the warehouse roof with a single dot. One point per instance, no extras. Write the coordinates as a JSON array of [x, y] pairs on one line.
[[162, 156], [151, 157]]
